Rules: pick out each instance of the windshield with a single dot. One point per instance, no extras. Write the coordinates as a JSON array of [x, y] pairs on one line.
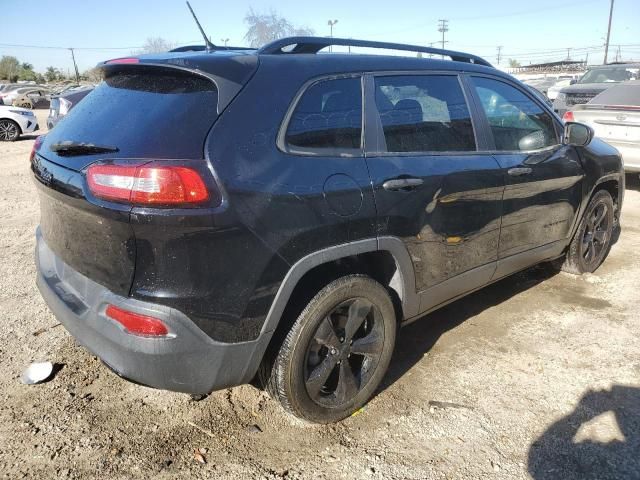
[[610, 74]]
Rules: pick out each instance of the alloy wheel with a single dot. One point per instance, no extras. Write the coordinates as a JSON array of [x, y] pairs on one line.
[[8, 131], [596, 234], [344, 352]]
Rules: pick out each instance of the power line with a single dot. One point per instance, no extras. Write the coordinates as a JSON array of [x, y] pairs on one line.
[[65, 48]]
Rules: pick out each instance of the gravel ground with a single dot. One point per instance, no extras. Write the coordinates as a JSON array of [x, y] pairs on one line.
[[537, 376]]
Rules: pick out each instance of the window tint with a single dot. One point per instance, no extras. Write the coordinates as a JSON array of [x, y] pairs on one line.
[[516, 121], [328, 116], [424, 113], [151, 114]]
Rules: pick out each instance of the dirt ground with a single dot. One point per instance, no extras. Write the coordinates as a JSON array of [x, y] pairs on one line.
[[537, 376]]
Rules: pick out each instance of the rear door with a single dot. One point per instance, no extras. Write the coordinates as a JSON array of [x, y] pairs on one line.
[[435, 186], [543, 177]]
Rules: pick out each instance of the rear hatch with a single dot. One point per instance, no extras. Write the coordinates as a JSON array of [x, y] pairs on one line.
[[139, 113]]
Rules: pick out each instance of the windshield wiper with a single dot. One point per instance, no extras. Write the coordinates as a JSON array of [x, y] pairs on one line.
[[68, 148]]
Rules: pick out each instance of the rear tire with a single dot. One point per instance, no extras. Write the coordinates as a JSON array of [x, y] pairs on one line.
[[9, 130], [592, 241], [337, 351]]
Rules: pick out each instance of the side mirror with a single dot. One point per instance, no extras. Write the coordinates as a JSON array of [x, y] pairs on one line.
[[573, 81], [577, 134]]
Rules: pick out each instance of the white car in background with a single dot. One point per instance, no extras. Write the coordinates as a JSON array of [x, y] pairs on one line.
[[15, 121], [614, 116], [554, 90]]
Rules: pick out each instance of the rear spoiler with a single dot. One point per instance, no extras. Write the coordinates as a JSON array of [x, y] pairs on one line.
[[229, 73]]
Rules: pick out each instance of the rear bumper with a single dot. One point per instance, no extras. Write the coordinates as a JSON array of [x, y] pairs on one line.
[[189, 361]]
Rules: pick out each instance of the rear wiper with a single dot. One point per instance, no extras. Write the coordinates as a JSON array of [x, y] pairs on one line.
[[68, 148]]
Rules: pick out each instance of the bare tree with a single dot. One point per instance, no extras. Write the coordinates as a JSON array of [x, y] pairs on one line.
[[94, 75], [266, 27], [156, 45]]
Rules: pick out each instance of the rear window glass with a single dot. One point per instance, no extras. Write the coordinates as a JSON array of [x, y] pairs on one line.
[[153, 114], [328, 116]]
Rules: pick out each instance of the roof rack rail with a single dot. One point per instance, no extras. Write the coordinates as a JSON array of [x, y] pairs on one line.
[[315, 44]]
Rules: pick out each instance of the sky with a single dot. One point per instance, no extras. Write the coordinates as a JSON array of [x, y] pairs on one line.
[[530, 32]]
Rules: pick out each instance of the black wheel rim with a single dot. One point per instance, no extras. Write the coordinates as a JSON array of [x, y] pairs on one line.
[[8, 131], [344, 352], [596, 234]]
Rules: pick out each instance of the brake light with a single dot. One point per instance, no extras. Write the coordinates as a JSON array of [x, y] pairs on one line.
[[149, 184], [125, 60], [137, 324], [36, 146], [568, 116]]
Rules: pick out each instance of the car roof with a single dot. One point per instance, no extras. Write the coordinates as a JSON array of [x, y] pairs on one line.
[[614, 65]]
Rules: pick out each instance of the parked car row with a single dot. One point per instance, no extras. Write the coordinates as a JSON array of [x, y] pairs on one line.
[[17, 102], [596, 80]]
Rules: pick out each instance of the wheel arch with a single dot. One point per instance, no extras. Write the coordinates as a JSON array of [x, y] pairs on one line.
[[316, 270], [349, 258]]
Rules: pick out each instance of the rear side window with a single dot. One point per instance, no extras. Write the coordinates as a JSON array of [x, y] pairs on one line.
[[424, 113], [328, 117], [150, 114], [516, 121]]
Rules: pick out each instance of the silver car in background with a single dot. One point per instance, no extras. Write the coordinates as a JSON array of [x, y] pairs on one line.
[[615, 117]]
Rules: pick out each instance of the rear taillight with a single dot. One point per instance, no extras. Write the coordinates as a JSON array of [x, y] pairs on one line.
[[64, 107], [568, 116], [148, 184], [123, 61], [36, 146], [137, 324]]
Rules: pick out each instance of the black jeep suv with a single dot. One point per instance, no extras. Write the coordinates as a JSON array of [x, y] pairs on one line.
[[216, 217]]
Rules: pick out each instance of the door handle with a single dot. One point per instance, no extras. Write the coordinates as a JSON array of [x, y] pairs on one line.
[[518, 171], [402, 184]]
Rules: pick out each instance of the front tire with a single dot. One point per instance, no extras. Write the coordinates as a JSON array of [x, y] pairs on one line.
[[592, 241], [9, 130], [337, 351]]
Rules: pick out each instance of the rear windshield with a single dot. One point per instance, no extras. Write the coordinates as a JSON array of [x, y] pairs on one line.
[[155, 114]]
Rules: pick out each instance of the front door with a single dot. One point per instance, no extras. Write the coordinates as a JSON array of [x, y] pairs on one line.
[[433, 186], [543, 178]]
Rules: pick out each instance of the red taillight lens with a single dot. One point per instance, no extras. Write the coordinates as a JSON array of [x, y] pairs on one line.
[[568, 116], [125, 60], [149, 184], [36, 146], [137, 324]]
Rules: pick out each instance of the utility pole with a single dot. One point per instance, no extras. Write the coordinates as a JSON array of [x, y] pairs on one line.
[[225, 41], [499, 48], [606, 45], [568, 53], [618, 54], [431, 44], [75, 66], [443, 27], [331, 23]]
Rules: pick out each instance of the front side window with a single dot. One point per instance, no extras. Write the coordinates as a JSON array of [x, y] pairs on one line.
[[424, 113], [328, 117], [516, 121]]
